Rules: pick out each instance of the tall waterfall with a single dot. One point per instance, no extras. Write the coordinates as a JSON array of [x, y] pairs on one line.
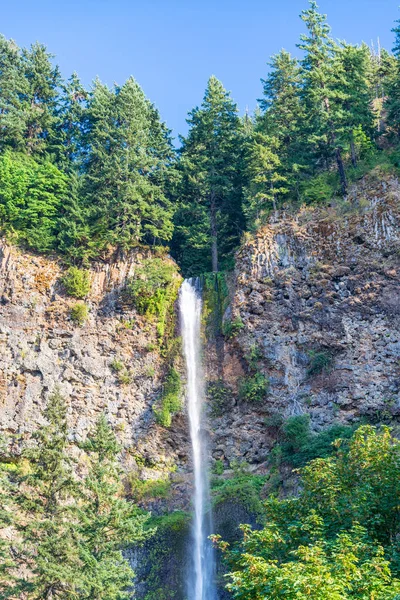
[[201, 578]]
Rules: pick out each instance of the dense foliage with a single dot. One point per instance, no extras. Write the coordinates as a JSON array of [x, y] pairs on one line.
[[68, 531], [338, 538], [83, 171]]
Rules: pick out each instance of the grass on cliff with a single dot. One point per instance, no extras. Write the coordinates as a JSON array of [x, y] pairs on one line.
[[76, 282], [171, 398]]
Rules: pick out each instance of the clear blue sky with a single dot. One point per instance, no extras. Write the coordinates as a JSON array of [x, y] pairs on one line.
[[172, 46]]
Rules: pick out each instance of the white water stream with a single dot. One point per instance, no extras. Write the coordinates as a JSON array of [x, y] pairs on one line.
[[201, 577]]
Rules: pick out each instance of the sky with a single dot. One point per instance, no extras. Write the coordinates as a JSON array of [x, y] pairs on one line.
[[172, 47]]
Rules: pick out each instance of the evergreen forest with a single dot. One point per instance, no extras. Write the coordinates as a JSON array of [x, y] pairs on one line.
[[85, 171]]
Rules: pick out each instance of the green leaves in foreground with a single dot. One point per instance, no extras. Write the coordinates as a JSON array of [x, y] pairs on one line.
[[338, 539]]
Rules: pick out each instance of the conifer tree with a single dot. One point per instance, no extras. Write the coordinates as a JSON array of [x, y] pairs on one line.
[[352, 85], [266, 179], [209, 160], [393, 87], [48, 550], [9, 584], [74, 239], [282, 115], [321, 108], [68, 132], [39, 100], [108, 522], [280, 103], [127, 203], [13, 86]]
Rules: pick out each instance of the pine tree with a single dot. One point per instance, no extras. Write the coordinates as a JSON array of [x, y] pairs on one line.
[[280, 103], [209, 160], [44, 495], [13, 86], [319, 95], [282, 115], [266, 179], [127, 201], [352, 68], [10, 586], [108, 522], [40, 97], [393, 86], [66, 140], [74, 239]]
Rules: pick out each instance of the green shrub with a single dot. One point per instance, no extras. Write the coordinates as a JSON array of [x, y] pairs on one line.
[[76, 282], [299, 445], [253, 356], [244, 488], [320, 188], [337, 538], [32, 193], [218, 467], [218, 395], [319, 362], [117, 365], [171, 401], [231, 328], [148, 489], [149, 287], [124, 377], [153, 292], [253, 388], [79, 313]]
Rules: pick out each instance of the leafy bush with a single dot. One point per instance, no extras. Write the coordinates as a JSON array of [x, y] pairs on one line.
[[117, 365], [76, 282], [253, 388], [298, 445], [243, 487], [140, 489], [312, 545], [153, 292], [231, 328], [31, 195], [253, 356], [218, 396], [79, 313], [320, 188], [124, 377], [319, 362], [171, 401], [149, 287], [218, 467]]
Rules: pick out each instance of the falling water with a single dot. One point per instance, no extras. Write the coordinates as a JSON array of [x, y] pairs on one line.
[[201, 578]]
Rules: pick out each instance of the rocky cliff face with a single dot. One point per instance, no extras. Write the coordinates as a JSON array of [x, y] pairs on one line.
[[317, 297], [316, 302], [43, 349]]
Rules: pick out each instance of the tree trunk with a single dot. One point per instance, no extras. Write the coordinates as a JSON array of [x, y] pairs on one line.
[[353, 150], [342, 172], [214, 233]]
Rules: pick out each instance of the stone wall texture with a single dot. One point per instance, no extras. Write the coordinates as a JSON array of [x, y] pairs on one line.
[[323, 285]]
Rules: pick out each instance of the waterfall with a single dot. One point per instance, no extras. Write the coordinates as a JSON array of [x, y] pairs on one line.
[[201, 577]]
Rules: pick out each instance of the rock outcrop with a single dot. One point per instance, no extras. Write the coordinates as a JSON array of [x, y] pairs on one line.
[[318, 299], [43, 349]]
